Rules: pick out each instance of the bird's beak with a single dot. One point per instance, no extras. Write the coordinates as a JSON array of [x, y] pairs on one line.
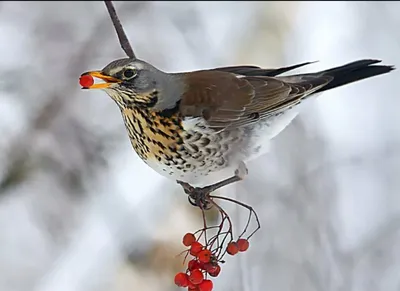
[[107, 79]]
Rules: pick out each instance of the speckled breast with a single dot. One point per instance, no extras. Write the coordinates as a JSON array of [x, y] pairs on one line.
[[165, 146]]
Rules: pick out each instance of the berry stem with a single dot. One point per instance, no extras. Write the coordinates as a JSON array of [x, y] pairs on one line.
[[251, 213], [229, 232]]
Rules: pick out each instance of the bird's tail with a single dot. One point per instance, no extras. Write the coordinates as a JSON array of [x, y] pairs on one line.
[[353, 72]]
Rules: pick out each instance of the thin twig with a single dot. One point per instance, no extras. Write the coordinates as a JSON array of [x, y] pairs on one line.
[[248, 207], [123, 39]]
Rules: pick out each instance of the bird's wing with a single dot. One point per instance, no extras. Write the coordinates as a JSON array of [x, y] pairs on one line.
[[236, 96], [228, 100]]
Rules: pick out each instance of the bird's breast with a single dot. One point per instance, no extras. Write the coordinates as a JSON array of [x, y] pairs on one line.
[[175, 151], [152, 136]]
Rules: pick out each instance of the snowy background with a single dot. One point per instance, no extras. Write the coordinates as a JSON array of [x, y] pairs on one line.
[[80, 212]]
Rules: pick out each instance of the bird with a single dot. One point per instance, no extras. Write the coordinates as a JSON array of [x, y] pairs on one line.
[[194, 126]]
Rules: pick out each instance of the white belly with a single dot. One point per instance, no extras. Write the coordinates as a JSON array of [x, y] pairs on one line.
[[264, 131], [254, 141]]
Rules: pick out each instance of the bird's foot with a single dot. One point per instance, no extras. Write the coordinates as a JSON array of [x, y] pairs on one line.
[[199, 196]]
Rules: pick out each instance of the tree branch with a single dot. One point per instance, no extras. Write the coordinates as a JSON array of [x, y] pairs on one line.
[[123, 39]]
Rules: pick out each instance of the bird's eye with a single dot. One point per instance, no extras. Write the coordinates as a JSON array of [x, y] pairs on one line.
[[129, 73]]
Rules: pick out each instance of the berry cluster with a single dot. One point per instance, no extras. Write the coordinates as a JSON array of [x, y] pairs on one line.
[[210, 246], [205, 263]]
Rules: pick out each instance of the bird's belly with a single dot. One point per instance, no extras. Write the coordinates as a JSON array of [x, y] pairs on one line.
[[197, 154], [217, 154], [200, 155], [262, 132], [199, 174], [225, 150]]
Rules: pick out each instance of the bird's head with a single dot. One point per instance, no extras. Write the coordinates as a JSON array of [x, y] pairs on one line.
[[132, 82]]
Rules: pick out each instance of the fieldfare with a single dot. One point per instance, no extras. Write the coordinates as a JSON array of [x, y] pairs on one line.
[[190, 125]]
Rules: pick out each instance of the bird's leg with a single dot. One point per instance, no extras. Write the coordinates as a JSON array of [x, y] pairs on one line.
[[198, 196]]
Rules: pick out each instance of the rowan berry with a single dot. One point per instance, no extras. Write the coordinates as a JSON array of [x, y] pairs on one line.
[[206, 285], [195, 248], [86, 81], [196, 277], [204, 256], [194, 264], [192, 287], [188, 239], [214, 271], [232, 248], [210, 267], [243, 244], [181, 280]]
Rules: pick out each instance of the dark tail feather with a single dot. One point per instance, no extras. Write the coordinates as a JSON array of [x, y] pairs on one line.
[[352, 72], [257, 71], [276, 72]]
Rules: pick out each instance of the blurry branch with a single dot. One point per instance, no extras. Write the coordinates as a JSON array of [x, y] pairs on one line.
[[18, 166], [123, 39]]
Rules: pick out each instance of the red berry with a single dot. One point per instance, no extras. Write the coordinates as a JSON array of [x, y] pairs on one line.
[[206, 285], [188, 239], [192, 287], [196, 277], [232, 248], [204, 256], [181, 280], [86, 81], [195, 248], [214, 271], [210, 267], [243, 244], [194, 264]]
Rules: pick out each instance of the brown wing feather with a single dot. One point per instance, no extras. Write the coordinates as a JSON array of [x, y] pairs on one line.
[[227, 100], [215, 95], [240, 95]]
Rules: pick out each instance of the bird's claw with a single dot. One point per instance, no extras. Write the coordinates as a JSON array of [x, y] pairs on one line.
[[197, 196], [186, 187]]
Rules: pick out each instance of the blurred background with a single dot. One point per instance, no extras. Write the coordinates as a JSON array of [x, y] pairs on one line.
[[79, 211]]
